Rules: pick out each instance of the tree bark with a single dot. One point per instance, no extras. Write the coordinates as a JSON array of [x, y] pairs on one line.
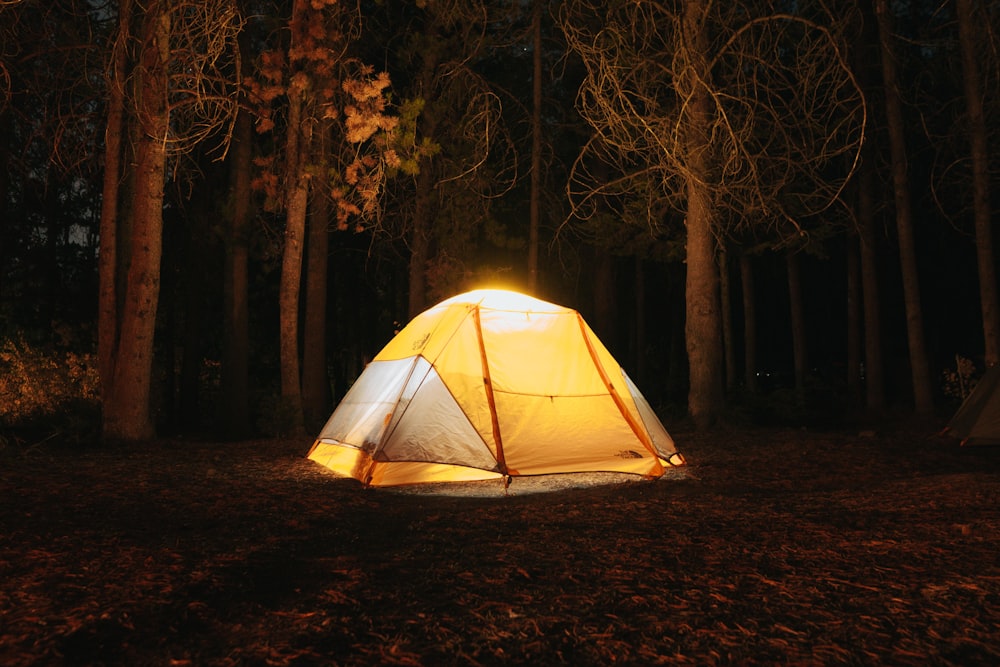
[[127, 414], [749, 324], [702, 329], [982, 214], [296, 202], [874, 374], [236, 314], [5, 230], [536, 147], [604, 295], [422, 222], [726, 302], [315, 379], [420, 241], [919, 366], [702, 324], [866, 57], [107, 258], [800, 355], [853, 286], [193, 320], [639, 337]]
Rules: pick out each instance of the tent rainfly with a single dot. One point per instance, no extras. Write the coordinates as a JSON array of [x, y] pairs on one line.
[[493, 384], [977, 421]]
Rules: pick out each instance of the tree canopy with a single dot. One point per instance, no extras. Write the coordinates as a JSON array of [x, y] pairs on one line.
[[622, 157]]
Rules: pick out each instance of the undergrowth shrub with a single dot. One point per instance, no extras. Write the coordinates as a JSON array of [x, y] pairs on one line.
[[959, 382], [46, 391]]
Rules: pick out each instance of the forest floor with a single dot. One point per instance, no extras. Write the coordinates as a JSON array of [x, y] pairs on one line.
[[771, 547]]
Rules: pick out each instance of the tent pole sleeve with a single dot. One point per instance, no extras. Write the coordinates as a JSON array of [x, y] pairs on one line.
[[637, 428], [488, 384]]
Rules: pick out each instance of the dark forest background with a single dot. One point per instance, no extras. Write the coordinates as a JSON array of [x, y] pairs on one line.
[[414, 150]]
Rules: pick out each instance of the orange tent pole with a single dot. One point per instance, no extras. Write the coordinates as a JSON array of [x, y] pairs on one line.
[[637, 428], [488, 383]]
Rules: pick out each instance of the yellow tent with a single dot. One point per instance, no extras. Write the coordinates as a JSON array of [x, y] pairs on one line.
[[492, 383]]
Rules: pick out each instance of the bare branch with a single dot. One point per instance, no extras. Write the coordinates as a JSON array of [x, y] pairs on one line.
[[787, 121]]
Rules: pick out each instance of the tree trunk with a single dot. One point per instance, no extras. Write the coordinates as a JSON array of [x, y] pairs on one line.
[[985, 257], [536, 148], [677, 382], [799, 353], [296, 201], [288, 297], [193, 322], [315, 379], [107, 258], [604, 295], [866, 57], [726, 301], [853, 286], [420, 241], [422, 222], [749, 324], [874, 374], [639, 337], [52, 274], [919, 367], [127, 410], [702, 323], [236, 315], [702, 329], [5, 230]]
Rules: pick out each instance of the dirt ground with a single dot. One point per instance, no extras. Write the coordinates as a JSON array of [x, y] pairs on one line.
[[772, 547]]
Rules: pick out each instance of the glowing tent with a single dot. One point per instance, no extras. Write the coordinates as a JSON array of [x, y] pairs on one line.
[[489, 384]]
